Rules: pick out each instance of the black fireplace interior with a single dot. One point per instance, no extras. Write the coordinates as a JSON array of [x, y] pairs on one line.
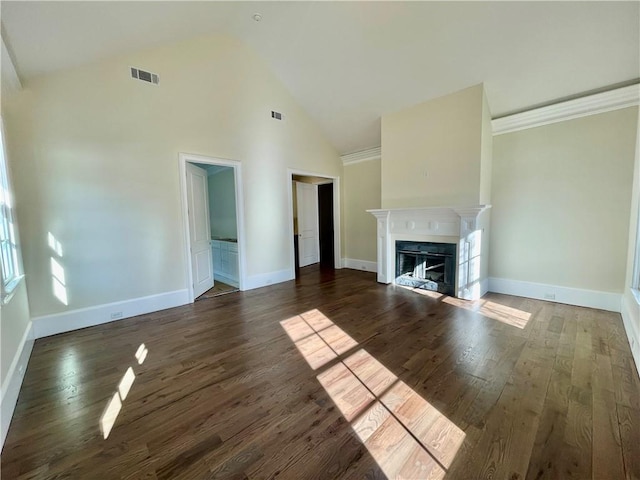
[[426, 265]]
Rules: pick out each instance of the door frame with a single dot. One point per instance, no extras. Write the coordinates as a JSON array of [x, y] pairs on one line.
[[183, 158], [336, 215]]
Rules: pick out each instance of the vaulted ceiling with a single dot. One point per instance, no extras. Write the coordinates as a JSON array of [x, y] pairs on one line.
[[348, 63]]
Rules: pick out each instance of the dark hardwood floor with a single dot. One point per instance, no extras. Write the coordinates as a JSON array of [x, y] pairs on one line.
[[333, 376]]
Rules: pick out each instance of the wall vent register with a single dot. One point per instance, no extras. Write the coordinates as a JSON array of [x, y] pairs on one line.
[[145, 76]]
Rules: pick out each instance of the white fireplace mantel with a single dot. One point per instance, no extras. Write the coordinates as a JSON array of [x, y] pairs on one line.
[[464, 226]]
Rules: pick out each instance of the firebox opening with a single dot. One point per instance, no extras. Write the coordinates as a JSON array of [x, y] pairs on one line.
[[426, 265]]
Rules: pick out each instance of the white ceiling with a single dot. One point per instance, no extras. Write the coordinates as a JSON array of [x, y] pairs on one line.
[[347, 63]]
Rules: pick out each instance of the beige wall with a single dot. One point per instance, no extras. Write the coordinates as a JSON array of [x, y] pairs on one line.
[[561, 198], [222, 204], [96, 164], [431, 153], [361, 192], [486, 153]]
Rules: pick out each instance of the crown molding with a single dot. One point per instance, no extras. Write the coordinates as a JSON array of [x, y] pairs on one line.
[[361, 156], [570, 109]]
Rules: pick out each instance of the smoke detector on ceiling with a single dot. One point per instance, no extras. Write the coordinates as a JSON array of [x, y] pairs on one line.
[[145, 76]]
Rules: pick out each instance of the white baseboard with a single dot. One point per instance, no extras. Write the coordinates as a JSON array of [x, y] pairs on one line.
[[13, 381], [630, 314], [364, 265], [555, 293], [88, 317], [266, 279], [484, 287]]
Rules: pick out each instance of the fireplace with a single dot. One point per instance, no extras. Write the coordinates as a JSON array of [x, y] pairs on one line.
[[426, 265], [457, 235]]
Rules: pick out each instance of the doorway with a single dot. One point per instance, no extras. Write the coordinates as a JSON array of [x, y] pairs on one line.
[[325, 223], [315, 233], [213, 225]]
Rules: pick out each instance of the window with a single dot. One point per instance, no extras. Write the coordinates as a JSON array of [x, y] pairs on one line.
[[635, 279], [10, 270]]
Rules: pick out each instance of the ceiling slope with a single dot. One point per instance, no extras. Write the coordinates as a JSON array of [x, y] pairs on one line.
[[348, 63]]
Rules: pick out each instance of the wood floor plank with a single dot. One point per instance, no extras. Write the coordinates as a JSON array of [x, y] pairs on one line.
[[607, 458], [333, 376], [629, 419]]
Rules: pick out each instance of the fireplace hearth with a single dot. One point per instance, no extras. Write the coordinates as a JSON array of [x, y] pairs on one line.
[[426, 265]]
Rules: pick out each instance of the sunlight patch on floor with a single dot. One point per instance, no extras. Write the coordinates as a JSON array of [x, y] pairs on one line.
[[317, 338], [108, 418], [346, 391], [405, 434], [422, 291], [501, 313], [141, 353], [395, 450], [125, 384], [111, 411]]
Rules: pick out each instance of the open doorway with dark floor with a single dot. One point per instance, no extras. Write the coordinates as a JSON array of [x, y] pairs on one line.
[[313, 222], [325, 224]]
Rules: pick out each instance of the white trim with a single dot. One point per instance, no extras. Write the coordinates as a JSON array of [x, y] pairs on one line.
[[337, 247], [580, 107], [469, 211], [9, 285], [635, 279], [6, 293], [363, 265], [374, 153], [630, 314], [484, 287], [571, 296], [13, 381], [88, 317], [269, 278], [183, 158]]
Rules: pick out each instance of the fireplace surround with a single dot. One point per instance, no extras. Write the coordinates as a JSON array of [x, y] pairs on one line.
[[466, 229]]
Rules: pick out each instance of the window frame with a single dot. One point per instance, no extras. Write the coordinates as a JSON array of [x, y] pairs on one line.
[[9, 240]]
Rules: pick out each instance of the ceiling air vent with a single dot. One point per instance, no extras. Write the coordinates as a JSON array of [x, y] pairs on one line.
[[276, 115], [145, 76]]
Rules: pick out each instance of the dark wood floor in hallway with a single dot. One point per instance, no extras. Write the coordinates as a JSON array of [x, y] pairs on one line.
[[334, 376]]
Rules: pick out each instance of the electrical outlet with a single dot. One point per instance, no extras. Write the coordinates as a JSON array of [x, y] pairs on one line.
[[115, 315], [364, 267], [549, 296]]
